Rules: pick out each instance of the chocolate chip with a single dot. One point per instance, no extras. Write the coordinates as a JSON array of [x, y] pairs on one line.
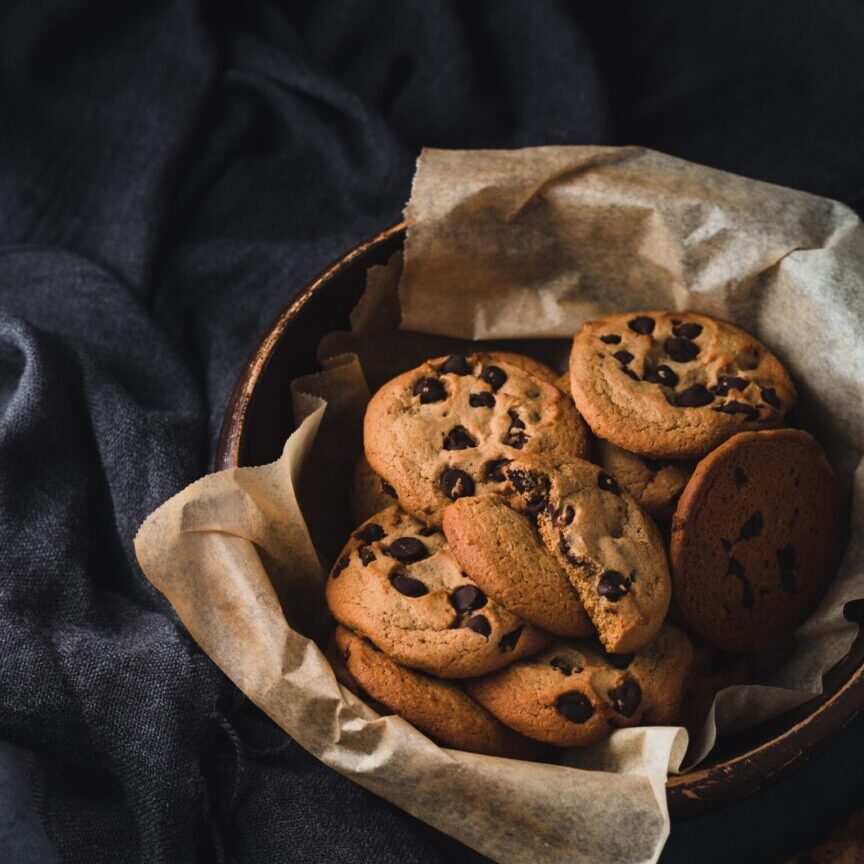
[[725, 383], [459, 438], [533, 486], [455, 483], [620, 661], [688, 330], [407, 585], [387, 489], [611, 338], [481, 400], [508, 641], [515, 422], [369, 533], [467, 598], [626, 698], [642, 325], [493, 470], [517, 440], [339, 566], [770, 397], [787, 557], [752, 527], [788, 581], [367, 556], [608, 483], [695, 396], [494, 376], [735, 407], [408, 550], [537, 504], [427, 531], [575, 706], [736, 568], [564, 516], [429, 390], [663, 374], [654, 465], [680, 350], [479, 624], [455, 364], [726, 544], [623, 356], [741, 477], [561, 665], [629, 373], [613, 585]]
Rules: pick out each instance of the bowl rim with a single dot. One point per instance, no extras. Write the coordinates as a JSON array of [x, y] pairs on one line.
[[689, 793]]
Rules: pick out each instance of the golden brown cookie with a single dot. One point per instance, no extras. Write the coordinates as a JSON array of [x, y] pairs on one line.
[[397, 583], [440, 709], [610, 549], [502, 552], [574, 693], [755, 539], [441, 431], [369, 494], [674, 385]]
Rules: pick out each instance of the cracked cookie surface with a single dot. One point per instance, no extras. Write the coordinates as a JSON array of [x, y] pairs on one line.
[[397, 583], [674, 384], [755, 539], [443, 430], [574, 693]]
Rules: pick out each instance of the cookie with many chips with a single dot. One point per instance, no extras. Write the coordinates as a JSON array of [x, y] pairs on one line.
[[674, 385]]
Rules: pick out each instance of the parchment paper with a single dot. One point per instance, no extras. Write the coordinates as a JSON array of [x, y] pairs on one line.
[[522, 245]]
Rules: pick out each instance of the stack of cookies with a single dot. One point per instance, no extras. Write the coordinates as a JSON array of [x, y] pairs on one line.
[[522, 536]]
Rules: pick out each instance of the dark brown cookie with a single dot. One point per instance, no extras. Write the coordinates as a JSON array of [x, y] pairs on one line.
[[755, 539]]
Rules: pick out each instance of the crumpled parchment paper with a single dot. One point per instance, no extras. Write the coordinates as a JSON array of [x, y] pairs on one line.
[[522, 245]]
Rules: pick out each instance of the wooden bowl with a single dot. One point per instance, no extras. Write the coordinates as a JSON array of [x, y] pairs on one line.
[[258, 421]]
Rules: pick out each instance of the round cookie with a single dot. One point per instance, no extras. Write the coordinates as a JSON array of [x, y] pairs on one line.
[[755, 539], [440, 709], [369, 494], [654, 484], [441, 431], [502, 552], [573, 693], [674, 385], [398, 584], [610, 549]]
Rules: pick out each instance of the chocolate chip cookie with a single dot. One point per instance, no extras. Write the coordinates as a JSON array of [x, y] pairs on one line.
[[655, 484], [440, 709], [674, 385], [397, 583], [444, 430], [611, 551], [369, 494], [502, 552], [573, 693], [755, 539]]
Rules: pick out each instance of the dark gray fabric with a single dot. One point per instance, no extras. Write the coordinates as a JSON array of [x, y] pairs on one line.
[[170, 172]]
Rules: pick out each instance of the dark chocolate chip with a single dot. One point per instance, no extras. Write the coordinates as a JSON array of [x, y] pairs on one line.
[[494, 470], [613, 585], [387, 489], [429, 390], [788, 581], [654, 465], [467, 598], [481, 400], [532, 485], [752, 527], [608, 483], [455, 364], [369, 533], [629, 373], [494, 376], [611, 338], [735, 407], [537, 504], [575, 706], [626, 698], [688, 330], [663, 374], [408, 550], [508, 641], [459, 438], [770, 397], [564, 516], [741, 477], [339, 566], [455, 483], [427, 531], [517, 440], [515, 422], [620, 661], [725, 383], [680, 350], [367, 556], [479, 624], [407, 585], [642, 325], [787, 557], [726, 544], [736, 568], [561, 665], [695, 396], [623, 357]]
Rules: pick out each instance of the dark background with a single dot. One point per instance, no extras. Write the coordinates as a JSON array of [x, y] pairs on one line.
[[170, 173]]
